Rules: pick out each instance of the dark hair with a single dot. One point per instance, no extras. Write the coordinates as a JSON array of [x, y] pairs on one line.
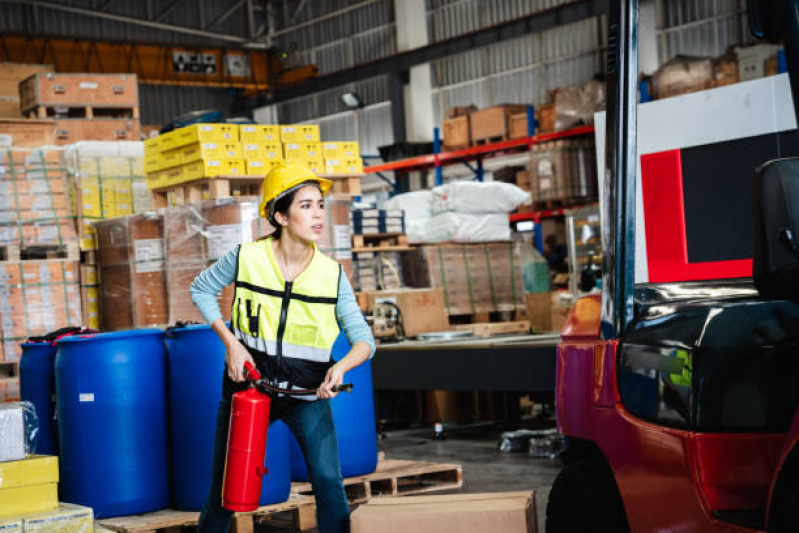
[[283, 204]]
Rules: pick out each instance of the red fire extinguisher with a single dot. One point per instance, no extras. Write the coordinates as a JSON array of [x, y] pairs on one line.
[[246, 445]]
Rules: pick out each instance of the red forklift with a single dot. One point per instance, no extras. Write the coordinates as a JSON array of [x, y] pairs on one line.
[[679, 401]]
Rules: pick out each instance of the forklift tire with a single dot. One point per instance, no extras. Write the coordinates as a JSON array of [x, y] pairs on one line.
[[584, 497]]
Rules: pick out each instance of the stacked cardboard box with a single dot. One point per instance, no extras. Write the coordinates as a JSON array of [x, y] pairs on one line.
[[562, 171], [476, 278], [194, 238], [374, 221], [261, 148], [86, 107], [34, 206], [342, 157], [131, 263], [36, 297], [106, 180]]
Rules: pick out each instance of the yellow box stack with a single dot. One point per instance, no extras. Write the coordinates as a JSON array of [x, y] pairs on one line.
[[29, 485], [342, 157]]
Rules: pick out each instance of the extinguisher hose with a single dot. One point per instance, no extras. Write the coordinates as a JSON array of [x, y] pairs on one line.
[[255, 377]]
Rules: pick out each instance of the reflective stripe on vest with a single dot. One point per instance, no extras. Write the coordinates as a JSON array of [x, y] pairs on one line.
[[292, 324]]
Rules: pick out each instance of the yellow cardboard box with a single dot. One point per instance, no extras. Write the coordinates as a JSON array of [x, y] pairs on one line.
[[152, 162], [170, 159], [340, 150], [172, 176], [347, 166], [315, 164], [300, 151], [152, 145], [262, 151], [210, 150], [209, 168], [261, 167], [167, 141], [33, 470], [199, 133], [299, 133], [259, 133], [28, 499]]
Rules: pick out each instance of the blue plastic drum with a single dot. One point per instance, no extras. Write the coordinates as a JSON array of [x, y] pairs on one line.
[[111, 404], [37, 385], [354, 418], [196, 368]]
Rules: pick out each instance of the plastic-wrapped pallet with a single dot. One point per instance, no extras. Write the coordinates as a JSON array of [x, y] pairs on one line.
[[37, 296], [18, 428], [378, 271], [476, 278], [106, 180], [417, 207], [130, 257], [34, 207]]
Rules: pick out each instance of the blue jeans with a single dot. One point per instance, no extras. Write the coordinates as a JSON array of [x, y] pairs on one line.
[[312, 424]]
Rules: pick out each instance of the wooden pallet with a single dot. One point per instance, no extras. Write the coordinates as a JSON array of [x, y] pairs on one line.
[[392, 478], [206, 188], [84, 111], [380, 242], [69, 251], [488, 329], [490, 140], [395, 477]]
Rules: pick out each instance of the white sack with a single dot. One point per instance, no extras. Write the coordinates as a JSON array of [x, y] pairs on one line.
[[478, 197]]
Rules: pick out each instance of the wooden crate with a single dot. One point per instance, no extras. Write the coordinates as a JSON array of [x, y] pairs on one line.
[[11, 74], [344, 185], [72, 130], [380, 242], [26, 133], [546, 115], [456, 132], [493, 123], [66, 90]]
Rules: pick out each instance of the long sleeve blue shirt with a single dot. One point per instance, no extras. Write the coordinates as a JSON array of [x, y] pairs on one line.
[[207, 285]]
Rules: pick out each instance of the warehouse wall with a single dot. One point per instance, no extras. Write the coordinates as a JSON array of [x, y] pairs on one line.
[[161, 103]]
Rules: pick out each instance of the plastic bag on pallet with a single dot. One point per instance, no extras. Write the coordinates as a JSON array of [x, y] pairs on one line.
[[477, 197], [418, 211], [467, 227], [19, 430]]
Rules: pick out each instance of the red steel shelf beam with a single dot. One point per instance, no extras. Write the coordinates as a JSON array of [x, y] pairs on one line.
[[467, 154]]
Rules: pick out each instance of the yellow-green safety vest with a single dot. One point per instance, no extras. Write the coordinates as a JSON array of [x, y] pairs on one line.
[[289, 327]]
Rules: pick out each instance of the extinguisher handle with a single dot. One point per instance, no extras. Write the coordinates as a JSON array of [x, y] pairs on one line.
[[250, 372]]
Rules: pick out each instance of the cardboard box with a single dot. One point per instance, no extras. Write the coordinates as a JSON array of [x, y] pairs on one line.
[[130, 256], [315, 165], [210, 150], [506, 512], [34, 470], [456, 132], [298, 133], [259, 133], [28, 499], [152, 146], [493, 122], [210, 168], [341, 150], [560, 313], [299, 151], [201, 133], [346, 167], [539, 310], [261, 167], [423, 310], [262, 151]]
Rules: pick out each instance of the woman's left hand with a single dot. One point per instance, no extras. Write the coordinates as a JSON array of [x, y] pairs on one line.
[[335, 376]]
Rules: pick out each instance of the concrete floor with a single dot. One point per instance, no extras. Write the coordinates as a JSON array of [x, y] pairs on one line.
[[485, 468]]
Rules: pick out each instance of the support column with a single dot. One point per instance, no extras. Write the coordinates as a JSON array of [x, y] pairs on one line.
[[411, 18]]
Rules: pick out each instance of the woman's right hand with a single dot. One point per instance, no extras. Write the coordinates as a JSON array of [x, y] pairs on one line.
[[235, 358]]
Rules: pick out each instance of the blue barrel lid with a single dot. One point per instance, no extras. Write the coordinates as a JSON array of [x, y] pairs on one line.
[[34, 343], [112, 335]]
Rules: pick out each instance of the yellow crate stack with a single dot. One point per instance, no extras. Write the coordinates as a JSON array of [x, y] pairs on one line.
[[342, 157], [29, 499]]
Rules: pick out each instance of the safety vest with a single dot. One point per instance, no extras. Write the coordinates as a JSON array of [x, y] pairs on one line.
[[289, 327]]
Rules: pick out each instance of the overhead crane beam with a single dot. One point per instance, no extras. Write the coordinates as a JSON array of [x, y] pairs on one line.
[[160, 64]]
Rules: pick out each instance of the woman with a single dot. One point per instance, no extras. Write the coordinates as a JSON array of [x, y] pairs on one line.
[[289, 301]]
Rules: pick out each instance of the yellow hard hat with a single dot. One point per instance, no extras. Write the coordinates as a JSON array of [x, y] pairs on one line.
[[282, 178]]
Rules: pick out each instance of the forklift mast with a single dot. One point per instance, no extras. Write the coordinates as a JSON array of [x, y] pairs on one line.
[[769, 19]]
